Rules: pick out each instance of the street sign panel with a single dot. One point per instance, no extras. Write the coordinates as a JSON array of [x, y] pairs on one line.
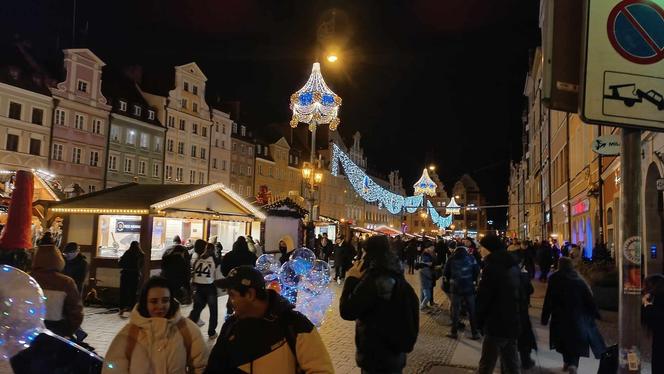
[[623, 77], [608, 145]]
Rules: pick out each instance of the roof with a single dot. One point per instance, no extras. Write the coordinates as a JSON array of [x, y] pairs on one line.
[[285, 207], [117, 86]]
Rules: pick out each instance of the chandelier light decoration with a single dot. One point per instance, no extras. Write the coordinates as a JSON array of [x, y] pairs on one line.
[[315, 104], [452, 207], [370, 191], [425, 186]]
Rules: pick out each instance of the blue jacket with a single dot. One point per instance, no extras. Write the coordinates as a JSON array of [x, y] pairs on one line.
[[462, 271]]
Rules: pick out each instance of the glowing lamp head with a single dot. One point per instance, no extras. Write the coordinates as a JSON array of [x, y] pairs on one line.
[[318, 177], [332, 58], [306, 170]]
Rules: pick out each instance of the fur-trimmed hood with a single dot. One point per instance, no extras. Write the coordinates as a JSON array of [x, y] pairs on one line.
[[47, 257]]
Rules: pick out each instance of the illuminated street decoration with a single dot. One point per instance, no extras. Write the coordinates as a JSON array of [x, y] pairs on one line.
[[370, 191], [452, 207], [425, 185], [315, 104]]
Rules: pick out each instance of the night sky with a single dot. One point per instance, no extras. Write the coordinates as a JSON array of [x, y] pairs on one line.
[[425, 81]]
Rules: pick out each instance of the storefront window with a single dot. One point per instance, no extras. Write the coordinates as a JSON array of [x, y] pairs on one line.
[[115, 234], [330, 230], [165, 229], [227, 232]]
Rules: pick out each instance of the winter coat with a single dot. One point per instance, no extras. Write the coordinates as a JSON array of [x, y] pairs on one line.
[[77, 269], [462, 271], [343, 255], [236, 257], [526, 340], [159, 347], [570, 306], [64, 311], [498, 296], [327, 249], [544, 255], [442, 252], [367, 302], [653, 316], [175, 265], [260, 345], [427, 273], [131, 262]]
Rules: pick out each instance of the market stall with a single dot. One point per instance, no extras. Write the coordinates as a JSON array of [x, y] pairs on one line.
[[104, 223]]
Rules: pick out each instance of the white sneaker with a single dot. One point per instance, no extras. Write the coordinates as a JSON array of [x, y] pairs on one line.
[[212, 337], [124, 314], [338, 281], [200, 323]]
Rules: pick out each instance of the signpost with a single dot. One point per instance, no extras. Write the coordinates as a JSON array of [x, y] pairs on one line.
[[607, 145], [623, 85]]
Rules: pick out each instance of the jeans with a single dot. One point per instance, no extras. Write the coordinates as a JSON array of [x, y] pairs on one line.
[[457, 301], [426, 296], [205, 294], [492, 347], [339, 271]]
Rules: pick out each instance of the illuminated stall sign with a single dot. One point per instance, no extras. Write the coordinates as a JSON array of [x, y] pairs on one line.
[[580, 207]]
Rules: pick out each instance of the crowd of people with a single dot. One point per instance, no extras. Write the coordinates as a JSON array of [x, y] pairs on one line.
[[488, 283]]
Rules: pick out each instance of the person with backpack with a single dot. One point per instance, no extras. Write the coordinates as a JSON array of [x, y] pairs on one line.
[[385, 309], [462, 271], [265, 334], [205, 292], [175, 267], [157, 338]]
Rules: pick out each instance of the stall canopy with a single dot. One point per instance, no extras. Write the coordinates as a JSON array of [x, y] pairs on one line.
[[215, 201], [387, 230]]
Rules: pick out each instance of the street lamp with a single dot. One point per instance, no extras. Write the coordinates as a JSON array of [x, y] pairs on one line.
[[314, 104], [332, 58]]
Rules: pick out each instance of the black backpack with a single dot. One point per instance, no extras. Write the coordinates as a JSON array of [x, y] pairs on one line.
[[406, 313]]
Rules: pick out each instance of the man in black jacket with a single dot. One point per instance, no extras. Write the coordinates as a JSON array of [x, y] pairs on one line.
[[238, 256], [498, 299], [175, 267], [461, 271]]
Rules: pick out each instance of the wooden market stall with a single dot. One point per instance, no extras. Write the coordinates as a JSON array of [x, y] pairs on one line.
[[104, 223]]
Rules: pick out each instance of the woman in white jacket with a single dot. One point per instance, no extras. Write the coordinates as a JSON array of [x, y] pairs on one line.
[[157, 339]]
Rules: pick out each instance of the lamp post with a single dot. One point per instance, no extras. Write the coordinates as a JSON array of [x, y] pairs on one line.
[[314, 104]]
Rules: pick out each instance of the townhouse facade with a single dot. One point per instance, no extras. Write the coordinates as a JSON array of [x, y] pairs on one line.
[[242, 161], [220, 147], [80, 124]]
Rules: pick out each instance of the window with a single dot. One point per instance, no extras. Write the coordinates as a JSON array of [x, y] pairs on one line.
[[242, 148], [169, 145], [184, 103], [233, 186], [223, 164], [216, 143], [260, 169], [241, 191], [91, 188], [178, 174], [250, 151], [193, 151], [203, 153], [214, 163], [223, 144], [150, 114], [192, 176], [82, 86], [186, 86], [128, 165], [57, 152], [15, 110], [94, 158], [234, 128], [96, 126], [248, 191], [131, 137], [37, 116], [201, 177], [35, 147], [223, 129], [76, 155], [194, 107], [115, 133], [182, 125], [137, 110], [194, 90], [80, 122], [155, 170], [169, 172], [60, 117], [249, 170], [157, 144], [181, 148], [12, 143], [123, 106], [145, 141], [194, 128], [141, 167], [243, 131], [204, 131], [171, 121]]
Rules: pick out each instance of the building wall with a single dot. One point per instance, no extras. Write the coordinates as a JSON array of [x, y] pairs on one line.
[[242, 162], [220, 147], [25, 129], [82, 67], [276, 169]]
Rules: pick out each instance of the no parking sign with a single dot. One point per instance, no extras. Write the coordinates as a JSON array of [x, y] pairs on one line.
[[623, 79]]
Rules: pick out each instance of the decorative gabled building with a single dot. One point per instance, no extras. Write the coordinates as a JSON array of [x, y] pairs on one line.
[[80, 123], [26, 109], [180, 103], [277, 169], [136, 138]]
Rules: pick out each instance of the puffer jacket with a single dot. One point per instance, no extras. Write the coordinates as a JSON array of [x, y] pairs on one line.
[[64, 311], [159, 347], [260, 345], [367, 301], [461, 270], [499, 297]]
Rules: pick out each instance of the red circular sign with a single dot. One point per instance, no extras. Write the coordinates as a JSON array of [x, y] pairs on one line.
[[634, 28]]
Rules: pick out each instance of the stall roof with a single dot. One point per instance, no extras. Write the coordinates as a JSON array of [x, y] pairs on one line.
[[151, 198]]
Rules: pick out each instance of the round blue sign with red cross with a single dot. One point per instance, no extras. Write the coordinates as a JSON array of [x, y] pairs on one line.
[[636, 31]]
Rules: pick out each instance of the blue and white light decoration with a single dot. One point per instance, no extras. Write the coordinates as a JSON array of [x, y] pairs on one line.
[[372, 192], [315, 104], [425, 186]]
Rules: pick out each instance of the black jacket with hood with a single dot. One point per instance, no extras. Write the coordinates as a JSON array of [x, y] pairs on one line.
[[368, 302], [498, 296]]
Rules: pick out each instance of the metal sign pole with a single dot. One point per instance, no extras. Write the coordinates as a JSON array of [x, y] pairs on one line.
[[630, 256]]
